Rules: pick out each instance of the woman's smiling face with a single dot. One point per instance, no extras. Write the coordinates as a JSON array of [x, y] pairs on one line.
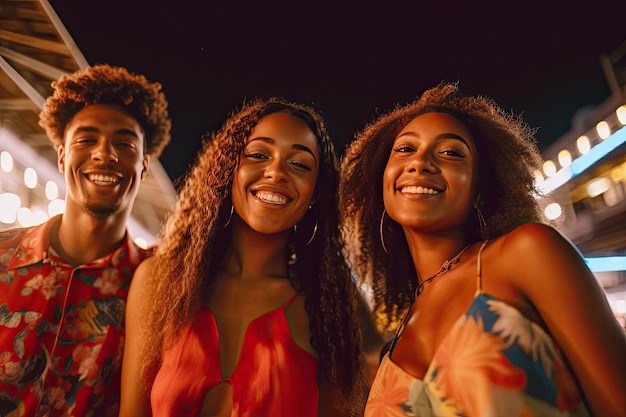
[[429, 182], [275, 181]]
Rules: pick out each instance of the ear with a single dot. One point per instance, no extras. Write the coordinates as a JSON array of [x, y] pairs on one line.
[[61, 158], [146, 164]]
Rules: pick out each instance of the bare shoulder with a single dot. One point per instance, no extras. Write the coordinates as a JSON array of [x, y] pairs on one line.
[[298, 320], [536, 242], [145, 270], [535, 257]]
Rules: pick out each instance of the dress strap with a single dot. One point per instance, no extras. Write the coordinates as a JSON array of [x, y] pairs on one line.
[[479, 271], [290, 300]]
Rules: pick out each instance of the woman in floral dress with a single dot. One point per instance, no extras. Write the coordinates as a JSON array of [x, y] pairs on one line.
[[495, 313]]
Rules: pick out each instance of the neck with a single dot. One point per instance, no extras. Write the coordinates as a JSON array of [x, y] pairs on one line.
[[253, 255], [430, 252], [80, 238]]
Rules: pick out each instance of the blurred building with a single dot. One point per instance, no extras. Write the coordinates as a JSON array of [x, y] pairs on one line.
[[35, 49], [585, 173]]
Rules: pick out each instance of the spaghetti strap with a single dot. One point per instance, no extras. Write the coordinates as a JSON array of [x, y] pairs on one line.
[[290, 300], [479, 272]]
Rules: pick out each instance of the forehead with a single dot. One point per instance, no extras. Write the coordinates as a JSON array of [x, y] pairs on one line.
[[434, 123], [103, 118], [284, 127]]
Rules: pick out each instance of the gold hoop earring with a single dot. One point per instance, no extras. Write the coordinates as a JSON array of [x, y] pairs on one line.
[[230, 216], [382, 239], [481, 219], [314, 232], [295, 228]]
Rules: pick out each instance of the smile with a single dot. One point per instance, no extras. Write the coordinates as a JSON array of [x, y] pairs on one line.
[[271, 198], [104, 179], [418, 189]]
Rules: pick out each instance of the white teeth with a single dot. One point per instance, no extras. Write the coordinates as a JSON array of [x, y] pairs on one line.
[[103, 179], [271, 197], [418, 189]]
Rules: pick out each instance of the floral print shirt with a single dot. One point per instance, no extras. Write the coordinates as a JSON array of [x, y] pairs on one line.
[[494, 362], [61, 327]]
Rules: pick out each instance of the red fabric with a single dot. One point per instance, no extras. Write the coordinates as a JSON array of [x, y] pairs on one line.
[[61, 327], [273, 375]]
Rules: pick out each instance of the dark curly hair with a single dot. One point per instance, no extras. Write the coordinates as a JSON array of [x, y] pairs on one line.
[[508, 159], [104, 84], [192, 244]]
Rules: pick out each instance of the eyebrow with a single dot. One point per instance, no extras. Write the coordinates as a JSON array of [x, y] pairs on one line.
[[92, 129], [294, 146], [440, 136]]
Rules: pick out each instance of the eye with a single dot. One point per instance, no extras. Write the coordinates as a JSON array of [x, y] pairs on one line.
[[301, 166], [85, 140], [255, 155], [454, 152], [403, 148], [126, 145]]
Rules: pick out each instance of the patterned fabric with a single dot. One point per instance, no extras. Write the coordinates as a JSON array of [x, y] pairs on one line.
[[493, 362], [273, 375], [61, 327]]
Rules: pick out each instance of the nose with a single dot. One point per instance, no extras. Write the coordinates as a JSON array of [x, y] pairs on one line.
[[422, 161], [104, 152], [276, 171]]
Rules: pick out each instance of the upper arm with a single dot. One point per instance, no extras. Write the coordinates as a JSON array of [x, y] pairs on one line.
[[559, 285], [135, 401], [328, 399]]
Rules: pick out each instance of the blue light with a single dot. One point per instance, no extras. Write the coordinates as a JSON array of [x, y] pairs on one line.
[[598, 152], [607, 264]]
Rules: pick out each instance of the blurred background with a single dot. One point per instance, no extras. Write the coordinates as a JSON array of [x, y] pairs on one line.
[[562, 67]]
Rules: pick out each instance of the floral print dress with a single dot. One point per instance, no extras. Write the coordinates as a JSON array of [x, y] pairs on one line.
[[493, 362]]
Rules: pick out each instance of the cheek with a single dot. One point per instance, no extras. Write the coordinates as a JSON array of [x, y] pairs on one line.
[[388, 184], [389, 177]]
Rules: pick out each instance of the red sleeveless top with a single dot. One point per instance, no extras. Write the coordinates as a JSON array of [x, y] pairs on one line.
[[273, 375]]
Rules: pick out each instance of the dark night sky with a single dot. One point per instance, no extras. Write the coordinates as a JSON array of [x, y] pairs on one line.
[[351, 60]]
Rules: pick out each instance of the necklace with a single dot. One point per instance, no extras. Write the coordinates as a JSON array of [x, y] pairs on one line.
[[445, 267]]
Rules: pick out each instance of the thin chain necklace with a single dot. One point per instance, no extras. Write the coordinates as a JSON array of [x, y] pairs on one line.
[[445, 267]]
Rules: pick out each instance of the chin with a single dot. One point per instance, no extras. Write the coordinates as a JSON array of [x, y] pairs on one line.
[[102, 211]]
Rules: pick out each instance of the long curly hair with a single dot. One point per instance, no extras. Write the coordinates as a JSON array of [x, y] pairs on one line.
[[104, 84], [508, 159], [192, 244]]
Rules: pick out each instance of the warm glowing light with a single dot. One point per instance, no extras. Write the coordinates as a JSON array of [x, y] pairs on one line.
[[6, 161], [617, 174], [565, 158], [603, 129], [598, 186], [141, 242], [621, 114], [52, 190], [25, 216], [583, 145], [553, 211], [549, 168], [56, 207], [30, 178], [39, 216], [9, 204]]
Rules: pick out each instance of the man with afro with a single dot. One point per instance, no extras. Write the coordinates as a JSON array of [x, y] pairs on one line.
[[63, 284]]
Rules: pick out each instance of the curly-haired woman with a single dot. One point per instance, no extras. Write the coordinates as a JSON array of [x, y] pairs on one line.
[[495, 313], [247, 307]]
